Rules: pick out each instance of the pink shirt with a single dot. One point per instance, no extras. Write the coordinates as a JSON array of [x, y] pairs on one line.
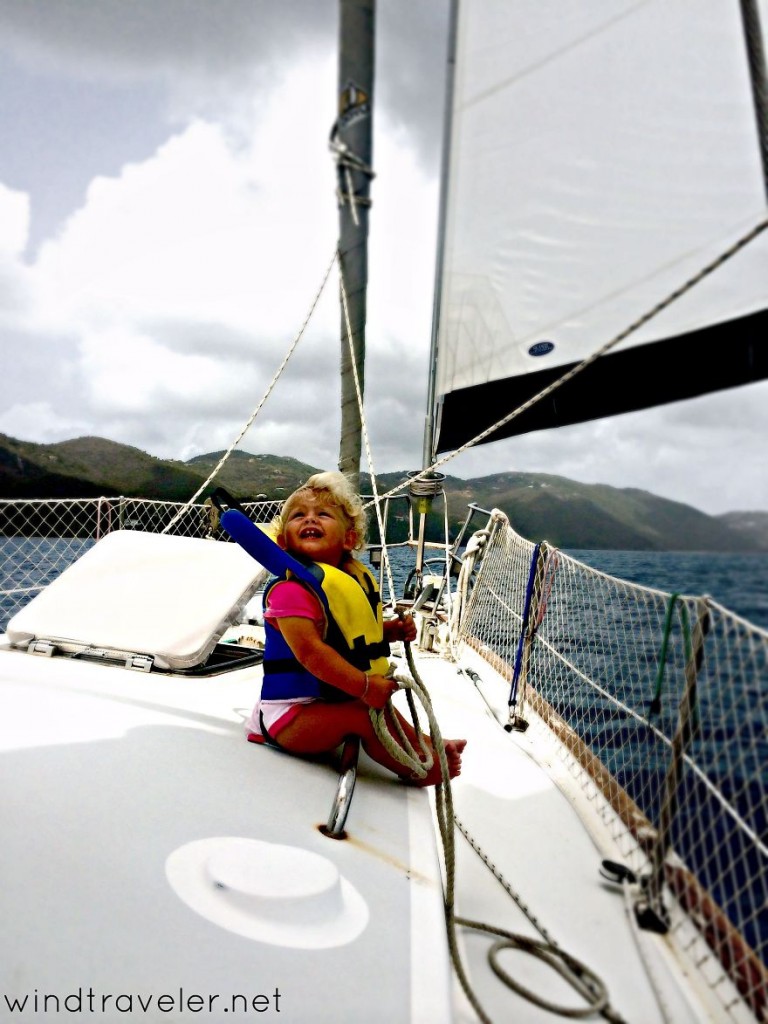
[[286, 599], [290, 599]]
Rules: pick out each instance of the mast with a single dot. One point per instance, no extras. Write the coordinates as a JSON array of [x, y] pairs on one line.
[[352, 140]]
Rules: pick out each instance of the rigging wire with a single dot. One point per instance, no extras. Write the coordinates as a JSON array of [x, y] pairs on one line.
[[278, 373], [753, 35], [416, 478], [364, 427]]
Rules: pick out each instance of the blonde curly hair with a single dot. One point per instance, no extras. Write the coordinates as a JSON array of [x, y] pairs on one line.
[[335, 490]]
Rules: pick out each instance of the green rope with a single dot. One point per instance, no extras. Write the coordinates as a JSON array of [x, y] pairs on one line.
[[688, 657], [674, 601], [655, 707]]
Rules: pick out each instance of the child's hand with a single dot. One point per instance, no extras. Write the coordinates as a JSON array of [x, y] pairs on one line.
[[400, 629], [408, 627], [380, 689]]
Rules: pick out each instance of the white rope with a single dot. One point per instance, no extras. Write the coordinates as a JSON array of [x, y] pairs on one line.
[[214, 473], [473, 551], [452, 635], [404, 751]]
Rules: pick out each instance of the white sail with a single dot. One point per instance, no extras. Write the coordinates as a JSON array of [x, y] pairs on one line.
[[602, 154]]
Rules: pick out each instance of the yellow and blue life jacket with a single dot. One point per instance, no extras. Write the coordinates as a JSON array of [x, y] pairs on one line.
[[351, 605], [353, 628]]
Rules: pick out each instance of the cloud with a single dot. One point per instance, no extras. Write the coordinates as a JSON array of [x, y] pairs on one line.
[[199, 231], [188, 247], [14, 220], [194, 231], [180, 283], [111, 39], [40, 421], [14, 278]]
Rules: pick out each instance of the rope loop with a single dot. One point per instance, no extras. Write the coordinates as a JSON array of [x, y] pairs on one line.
[[389, 730], [345, 157], [655, 706], [566, 965], [525, 621]]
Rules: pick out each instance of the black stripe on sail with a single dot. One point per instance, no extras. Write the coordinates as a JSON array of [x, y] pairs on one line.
[[726, 355]]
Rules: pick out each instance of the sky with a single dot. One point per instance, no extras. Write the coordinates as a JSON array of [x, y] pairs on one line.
[[168, 213]]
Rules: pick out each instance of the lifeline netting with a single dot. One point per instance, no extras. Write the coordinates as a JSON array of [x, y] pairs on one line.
[[659, 700], [40, 538]]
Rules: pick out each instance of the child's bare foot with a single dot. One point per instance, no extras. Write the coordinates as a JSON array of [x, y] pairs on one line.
[[453, 752]]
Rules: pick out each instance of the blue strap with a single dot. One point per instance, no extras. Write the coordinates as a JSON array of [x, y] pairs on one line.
[[266, 551], [524, 627]]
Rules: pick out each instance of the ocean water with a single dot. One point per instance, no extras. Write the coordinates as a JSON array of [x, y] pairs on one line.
[[29, 563], [739, 582]]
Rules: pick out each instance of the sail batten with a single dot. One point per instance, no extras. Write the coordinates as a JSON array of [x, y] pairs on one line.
[[601, 158]]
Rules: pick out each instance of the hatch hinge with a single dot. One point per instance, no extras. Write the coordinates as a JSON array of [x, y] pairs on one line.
[[140, 662], [42, 647]]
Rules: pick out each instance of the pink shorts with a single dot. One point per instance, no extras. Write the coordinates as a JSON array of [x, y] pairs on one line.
[[275, 715]]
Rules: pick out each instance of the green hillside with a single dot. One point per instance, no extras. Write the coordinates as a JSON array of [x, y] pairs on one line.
[[540, 506]]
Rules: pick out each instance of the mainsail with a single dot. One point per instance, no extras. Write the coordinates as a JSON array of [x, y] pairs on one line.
[[602, 155]]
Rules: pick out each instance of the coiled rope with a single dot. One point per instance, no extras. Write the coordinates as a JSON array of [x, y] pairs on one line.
[[402, 749], [572, 970]]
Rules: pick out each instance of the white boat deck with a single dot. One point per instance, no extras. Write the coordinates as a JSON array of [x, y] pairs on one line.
[[544, 837], [105, 773]]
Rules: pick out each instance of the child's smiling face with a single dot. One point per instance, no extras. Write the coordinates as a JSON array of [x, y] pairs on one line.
[[316, 528]]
